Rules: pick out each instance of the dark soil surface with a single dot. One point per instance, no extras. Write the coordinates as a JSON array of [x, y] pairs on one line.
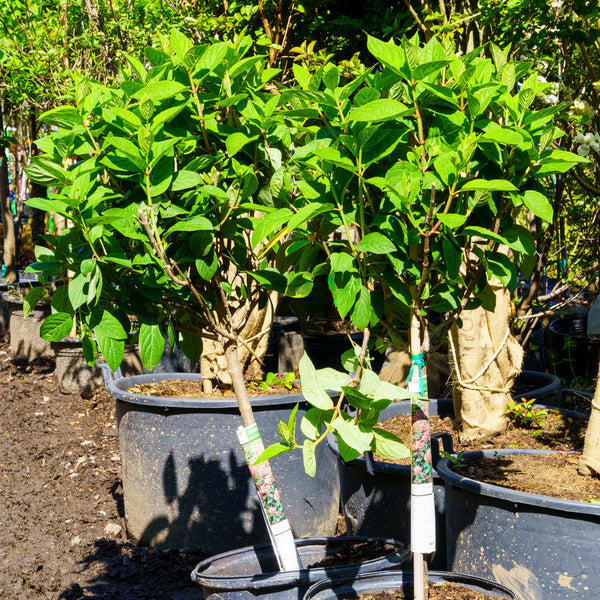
[[554, 475], [62, 532], [185, 388], [548, 430]]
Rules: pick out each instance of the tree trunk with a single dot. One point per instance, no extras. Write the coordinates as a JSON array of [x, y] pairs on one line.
[[589, 462], [486, 358], [8, 225]]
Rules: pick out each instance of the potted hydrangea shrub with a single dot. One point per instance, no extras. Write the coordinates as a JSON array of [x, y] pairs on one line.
[[415, 175], [160, 179]]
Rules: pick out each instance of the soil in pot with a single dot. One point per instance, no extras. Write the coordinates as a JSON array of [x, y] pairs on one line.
[[551, 431], [435, 591], [185, 388], [549, 475], [354, 552]]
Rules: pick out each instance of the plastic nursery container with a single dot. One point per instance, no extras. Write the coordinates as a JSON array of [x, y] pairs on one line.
[[252, 572], [544, 548], [185, 479]]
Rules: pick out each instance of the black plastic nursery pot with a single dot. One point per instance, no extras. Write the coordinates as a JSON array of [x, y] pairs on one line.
[[576, 353], [185, 480], [398, 581], [379, 504], [534, 358], [544, 548], [252, 572]]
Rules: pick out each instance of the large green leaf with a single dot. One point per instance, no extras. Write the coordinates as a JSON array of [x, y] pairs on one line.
[[151, 344], [376, 111], [538, 204], [492, 185], [311, 388], [56, 327]]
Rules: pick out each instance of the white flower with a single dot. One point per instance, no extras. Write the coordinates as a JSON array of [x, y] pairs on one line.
[[541, 79], [579, 138], [550, 99], [579, 106], [583, 150], [555, 4]]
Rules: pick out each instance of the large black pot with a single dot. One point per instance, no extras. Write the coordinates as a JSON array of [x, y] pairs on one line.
[[370, 584], [576, 354], [185, 480], [378, 504], [252, 573], [544, 548]]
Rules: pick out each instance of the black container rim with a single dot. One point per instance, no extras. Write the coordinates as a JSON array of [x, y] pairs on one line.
[[118, 390], [305, 576], [401, 577], [501, 493]]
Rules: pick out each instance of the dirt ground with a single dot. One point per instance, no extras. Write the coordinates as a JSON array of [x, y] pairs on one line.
[[62, 531]]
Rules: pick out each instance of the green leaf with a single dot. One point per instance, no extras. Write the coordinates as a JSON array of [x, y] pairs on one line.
[[376, 111], [158, 91], [184, 180], [377, 243], [356, 398], [151, 344], [387, 53], [45, 172], [331, 76], [445, 167], [33, 296], [56, 327], [538, 204], [301, 75], [372, 386], [103, 323], [272, 451], [311, 389], [331, 380], [388, 445], [213, 56], [492, 185], [113, 350], [197, 223], [363, 309], [452, 220], [349, 431], [62, 116], [504, 269], [77, 295], [308, 458], [503, 135], [191, 346], [291, 425], [236, 141]]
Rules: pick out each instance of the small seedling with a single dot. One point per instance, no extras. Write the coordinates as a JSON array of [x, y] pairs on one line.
[[456, 460], [272, 380], [524, 414]]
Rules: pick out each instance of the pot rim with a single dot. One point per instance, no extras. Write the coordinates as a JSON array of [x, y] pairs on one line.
[[304, 576], [118, 390], [502, 493], [397, 578]]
